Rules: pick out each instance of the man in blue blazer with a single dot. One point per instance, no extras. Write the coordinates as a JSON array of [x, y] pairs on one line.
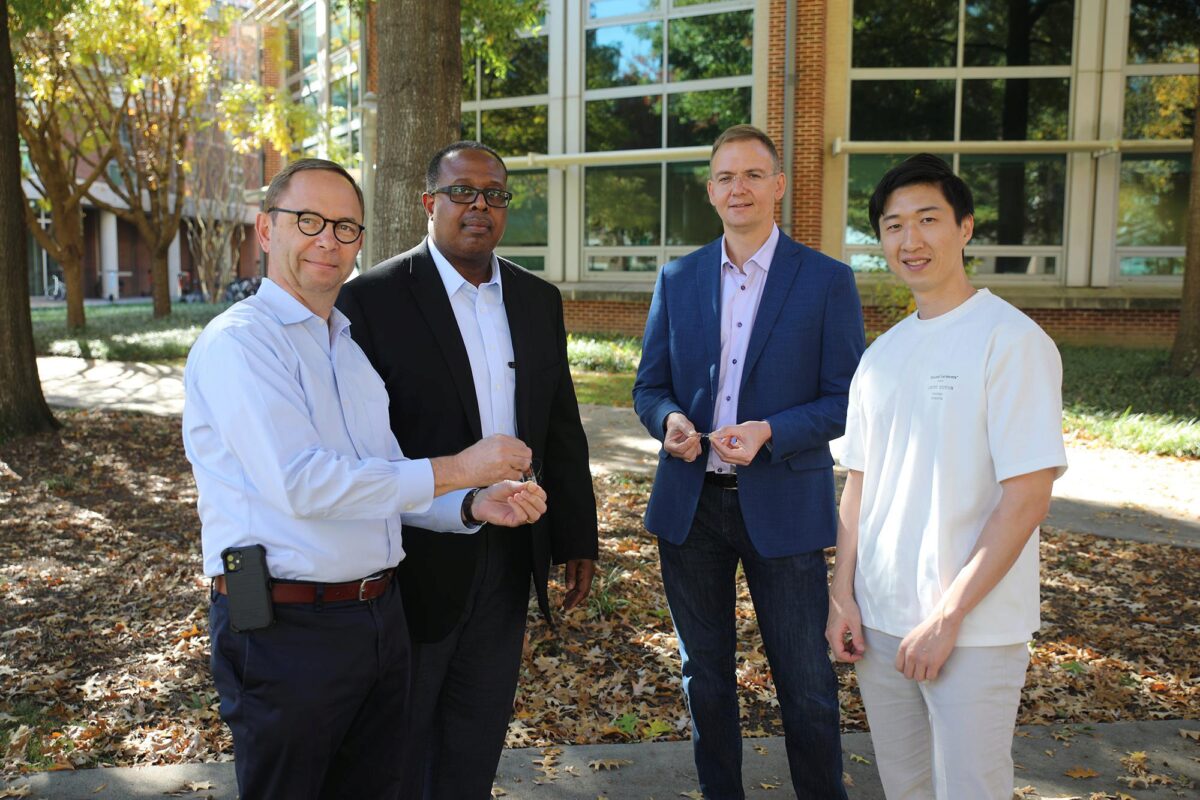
[[750, 345]]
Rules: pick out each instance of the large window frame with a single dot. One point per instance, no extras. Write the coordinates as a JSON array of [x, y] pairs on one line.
[[958, 147], [578, 95], [1090, 256], [1118, 69]]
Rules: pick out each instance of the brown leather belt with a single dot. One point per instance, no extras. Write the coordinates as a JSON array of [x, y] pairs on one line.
[[725, 480], [368, 588]]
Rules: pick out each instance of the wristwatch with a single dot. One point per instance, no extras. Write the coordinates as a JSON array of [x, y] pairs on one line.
[[468, 519]]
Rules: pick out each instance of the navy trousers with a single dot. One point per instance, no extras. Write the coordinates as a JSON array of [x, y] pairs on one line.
[[791, 604], [463, 686], [317, 701]]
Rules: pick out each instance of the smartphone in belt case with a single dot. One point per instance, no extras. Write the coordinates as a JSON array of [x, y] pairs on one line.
[[248, 586]]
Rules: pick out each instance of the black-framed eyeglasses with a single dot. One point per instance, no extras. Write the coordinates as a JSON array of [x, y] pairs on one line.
[[461, 193], [311, 223]]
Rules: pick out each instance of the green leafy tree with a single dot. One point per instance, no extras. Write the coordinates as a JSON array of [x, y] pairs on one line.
[[148, 65], [58, 141], [419, 98], [23, 408]]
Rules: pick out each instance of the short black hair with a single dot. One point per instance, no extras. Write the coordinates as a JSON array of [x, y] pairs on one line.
[[282, 178], [922, 168], [435, 163]]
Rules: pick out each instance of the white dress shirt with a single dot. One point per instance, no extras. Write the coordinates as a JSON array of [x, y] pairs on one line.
[[483, 323], [286, 425], [741, 292]]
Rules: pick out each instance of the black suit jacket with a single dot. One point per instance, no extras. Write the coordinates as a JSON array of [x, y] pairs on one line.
[[401, 317]]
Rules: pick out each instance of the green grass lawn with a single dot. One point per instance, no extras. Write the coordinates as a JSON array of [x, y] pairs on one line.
[[1125, 399], [1115, 396], [123, 332]]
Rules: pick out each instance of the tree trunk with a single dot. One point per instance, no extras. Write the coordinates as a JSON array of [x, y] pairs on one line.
[[160, 281], [23, 409], [419, 112], [70, 257], [1185, 356]]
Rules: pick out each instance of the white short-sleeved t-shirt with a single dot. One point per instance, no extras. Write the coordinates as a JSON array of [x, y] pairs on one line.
[[942, 410]]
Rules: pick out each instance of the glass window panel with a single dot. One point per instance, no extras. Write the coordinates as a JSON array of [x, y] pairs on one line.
[[868, 262], [1163, 31], [697, 118], [469, 69], [621, 204], [1160, 107], [628, 123], [515, 131], [340, 26], [466, 126], [1015, 109], [528, 216], [624, 55], [918, 33], [1019, 200], [1018, 33], [691, 219], [531, 263], [528, 71], [1011, 265], [308, 37], [711, 46], [622, 263], [1153, 200], [599, 9], [1140, 266], [902, 110], [339, 92]]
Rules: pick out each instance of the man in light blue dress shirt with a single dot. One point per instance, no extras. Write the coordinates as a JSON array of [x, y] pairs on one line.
[[286, 426]]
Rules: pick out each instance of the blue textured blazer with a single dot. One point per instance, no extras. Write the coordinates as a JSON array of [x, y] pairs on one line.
[[804, 347]]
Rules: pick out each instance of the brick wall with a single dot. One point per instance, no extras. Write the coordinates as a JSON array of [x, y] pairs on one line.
[[808, 138], [605, 316], [272, 75], [1115, 327]]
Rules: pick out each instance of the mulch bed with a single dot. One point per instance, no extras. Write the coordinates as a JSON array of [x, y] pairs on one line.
[[103, 613]]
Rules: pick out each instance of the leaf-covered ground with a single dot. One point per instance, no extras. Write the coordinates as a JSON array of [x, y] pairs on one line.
[[103, 648]]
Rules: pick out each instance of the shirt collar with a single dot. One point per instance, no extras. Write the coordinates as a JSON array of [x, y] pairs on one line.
[[287, 309], [290, 311], [763, 257], [451, 278]]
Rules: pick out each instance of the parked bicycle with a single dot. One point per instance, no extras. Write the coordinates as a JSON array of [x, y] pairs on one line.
[[242, 288]]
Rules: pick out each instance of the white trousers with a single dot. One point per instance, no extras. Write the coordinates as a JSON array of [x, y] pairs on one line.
[[949, 738]]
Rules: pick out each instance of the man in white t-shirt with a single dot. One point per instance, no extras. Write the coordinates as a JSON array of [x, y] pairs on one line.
[[953, 440]]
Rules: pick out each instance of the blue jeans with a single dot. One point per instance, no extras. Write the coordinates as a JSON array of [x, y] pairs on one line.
[[791, 603]]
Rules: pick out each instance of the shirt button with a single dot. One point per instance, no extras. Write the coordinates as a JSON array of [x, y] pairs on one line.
[[735, 361], [720, 469], [728, 398], [739, 324], [743, 287]]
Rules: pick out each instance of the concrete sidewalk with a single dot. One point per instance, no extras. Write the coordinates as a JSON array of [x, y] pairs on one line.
[[662, 770]]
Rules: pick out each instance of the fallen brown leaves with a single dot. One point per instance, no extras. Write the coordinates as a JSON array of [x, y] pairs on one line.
[[104, 645]]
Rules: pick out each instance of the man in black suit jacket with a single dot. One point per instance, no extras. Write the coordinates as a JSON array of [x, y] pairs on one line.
[[470, 345]]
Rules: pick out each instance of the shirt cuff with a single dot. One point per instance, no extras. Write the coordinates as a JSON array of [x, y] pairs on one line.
[[415, 485]]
